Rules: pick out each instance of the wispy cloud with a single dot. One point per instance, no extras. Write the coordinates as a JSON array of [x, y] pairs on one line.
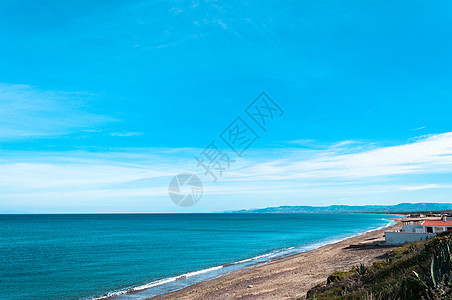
[[125, 134], [428, 155], [303, 142], [26, 111], [419, 187], [345, 169], [425, 187]]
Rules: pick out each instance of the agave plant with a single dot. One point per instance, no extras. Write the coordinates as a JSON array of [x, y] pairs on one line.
[[361, 270], [440, 272]]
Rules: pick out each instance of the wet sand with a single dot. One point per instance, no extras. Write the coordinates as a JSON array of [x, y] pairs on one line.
[[291, 277]]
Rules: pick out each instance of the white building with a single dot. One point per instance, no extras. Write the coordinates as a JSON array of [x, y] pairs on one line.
[[437, 226], [411, 233]]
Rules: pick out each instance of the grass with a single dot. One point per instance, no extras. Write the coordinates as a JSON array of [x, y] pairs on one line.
[[419, 270]]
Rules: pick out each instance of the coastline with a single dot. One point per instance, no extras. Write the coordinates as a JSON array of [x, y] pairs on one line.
[[191, 280], [290, 276]]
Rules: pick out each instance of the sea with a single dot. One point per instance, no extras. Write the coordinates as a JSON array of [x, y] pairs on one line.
[[137, 256]]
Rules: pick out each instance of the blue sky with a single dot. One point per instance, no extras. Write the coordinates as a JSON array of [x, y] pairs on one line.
[[102, 102]]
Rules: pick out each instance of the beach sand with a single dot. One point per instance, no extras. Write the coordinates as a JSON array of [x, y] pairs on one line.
[[290, 277]]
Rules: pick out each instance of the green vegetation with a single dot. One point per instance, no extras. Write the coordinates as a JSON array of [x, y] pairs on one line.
[[361, 270], [419, 270]]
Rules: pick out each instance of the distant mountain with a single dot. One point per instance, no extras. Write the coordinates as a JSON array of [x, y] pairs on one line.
[[399, 208]]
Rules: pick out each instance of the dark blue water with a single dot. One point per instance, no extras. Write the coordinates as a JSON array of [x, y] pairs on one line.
[[85, 256]]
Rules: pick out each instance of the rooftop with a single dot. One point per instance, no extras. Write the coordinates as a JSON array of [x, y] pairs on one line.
[[437, 223]]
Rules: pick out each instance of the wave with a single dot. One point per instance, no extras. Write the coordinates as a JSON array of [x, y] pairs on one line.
[[157, 283]]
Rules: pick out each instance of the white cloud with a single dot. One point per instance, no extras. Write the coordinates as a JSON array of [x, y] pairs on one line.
[[425, 187], [340, 172], [303, 142], [42, 176], [26, 111], [428, 155], [125, 134]]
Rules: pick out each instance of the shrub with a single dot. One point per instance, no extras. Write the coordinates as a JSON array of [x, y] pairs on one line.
[[419, 270], [379, 264], [338, 276]]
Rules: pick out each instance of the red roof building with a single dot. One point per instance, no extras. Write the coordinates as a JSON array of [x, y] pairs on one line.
[[437, 226], [439, 223]]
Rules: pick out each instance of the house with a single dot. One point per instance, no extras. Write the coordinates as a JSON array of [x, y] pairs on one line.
[[413, 231], [437, 226]]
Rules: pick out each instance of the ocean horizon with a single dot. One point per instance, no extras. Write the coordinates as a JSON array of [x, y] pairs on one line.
[[134, 256]]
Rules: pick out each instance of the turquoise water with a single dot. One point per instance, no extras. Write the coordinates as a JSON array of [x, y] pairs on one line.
[[86, 256]]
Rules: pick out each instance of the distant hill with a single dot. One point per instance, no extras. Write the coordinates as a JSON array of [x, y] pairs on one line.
[[399, 208]]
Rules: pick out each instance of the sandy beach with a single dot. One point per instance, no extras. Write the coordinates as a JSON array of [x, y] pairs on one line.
[[290, 277]]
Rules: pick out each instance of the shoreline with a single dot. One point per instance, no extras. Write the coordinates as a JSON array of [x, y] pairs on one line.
[[189, 280], [272, 280]]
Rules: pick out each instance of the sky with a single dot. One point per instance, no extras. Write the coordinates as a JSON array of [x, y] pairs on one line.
[[102, 103]]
